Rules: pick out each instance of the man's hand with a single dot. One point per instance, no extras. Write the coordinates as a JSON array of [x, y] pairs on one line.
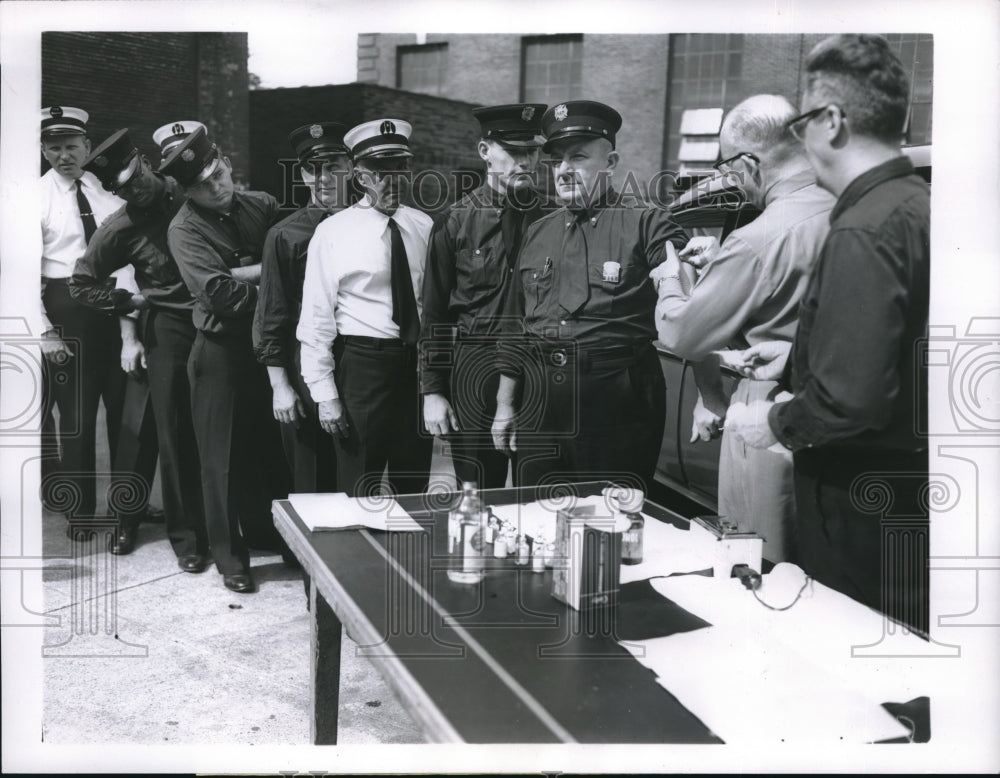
[[766, 361], [749, 423], [439, 418], [139, 302], [505, 429], [333, 418], [133, 357], [699, 251], [55, 349], [705, 424], [287, 406], [249, 273]]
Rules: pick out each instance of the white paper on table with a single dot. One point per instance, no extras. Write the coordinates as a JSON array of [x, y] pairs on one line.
[[337, 511], [755, 691], [667, 550]]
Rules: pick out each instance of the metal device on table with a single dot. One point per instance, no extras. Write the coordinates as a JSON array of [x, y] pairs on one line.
[[732, 546]]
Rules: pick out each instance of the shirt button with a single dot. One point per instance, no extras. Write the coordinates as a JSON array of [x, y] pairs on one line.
[[563, 322], [593, 220], [477, 251]]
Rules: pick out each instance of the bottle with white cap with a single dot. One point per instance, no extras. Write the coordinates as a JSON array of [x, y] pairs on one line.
[[469, 548]]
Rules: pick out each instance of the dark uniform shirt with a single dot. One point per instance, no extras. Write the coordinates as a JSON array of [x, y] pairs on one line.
[[280, 296], [467, 278], [135, 236], [567, 249], [207, 245], [853, 363]]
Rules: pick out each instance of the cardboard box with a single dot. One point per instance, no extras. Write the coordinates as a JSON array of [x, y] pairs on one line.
[[586, 568]]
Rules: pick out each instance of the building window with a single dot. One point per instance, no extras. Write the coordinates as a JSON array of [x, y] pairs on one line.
[[422, 68], [551, 68], [916, 52], [706, 71]]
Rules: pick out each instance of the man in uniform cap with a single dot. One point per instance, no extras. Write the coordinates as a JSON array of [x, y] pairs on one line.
[[470, 262], [216, 239], [169, 136], [360, 319], [137, 235], [587, 303], [326, 170], [83, 348]]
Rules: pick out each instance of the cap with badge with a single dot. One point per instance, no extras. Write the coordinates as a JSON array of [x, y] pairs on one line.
[[193, 159], [115, 162], [169, 135], [580, 119], [64, 120], [519, 124], [320, 140], [379, 139]]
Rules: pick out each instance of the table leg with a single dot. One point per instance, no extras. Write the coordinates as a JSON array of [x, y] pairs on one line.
[[325, 667]]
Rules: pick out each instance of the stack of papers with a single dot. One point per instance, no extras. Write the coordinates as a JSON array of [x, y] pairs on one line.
[[335, 511]]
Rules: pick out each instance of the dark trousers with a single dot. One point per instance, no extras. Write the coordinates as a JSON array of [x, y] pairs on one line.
[[310, 452], [92, 375], [863, 527], [590, 414], [377, 380], [474, 381], [239, 448], [168, 337]]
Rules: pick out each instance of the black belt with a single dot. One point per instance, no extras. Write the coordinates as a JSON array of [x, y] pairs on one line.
[[377, 344], [55, 281], [595, 358]]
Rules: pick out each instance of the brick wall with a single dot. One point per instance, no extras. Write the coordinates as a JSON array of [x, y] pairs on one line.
[[772, 65], [444, 133], [144, 80]]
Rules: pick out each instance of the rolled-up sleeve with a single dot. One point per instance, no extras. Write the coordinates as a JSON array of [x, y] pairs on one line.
[[273, 320], [206, 275], [91, 283], [317, 328]]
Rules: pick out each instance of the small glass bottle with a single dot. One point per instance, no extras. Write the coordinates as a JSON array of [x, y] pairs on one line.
[[538, 554], [632, 539], [523, 552], [468, 554]]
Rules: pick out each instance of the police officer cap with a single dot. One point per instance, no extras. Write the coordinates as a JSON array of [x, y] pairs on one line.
[[169, 135], [115, 162], [321, 140], [581, 119], [193, 159], [379, 139], [519, 124], [63, 120]]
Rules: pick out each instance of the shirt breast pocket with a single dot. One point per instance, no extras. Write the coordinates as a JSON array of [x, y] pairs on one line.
[[536, 283], [478, 269]]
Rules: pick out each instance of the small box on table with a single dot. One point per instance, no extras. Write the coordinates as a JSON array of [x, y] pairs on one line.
[[587, 564]]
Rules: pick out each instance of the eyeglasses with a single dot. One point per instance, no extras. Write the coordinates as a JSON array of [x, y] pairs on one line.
[[724, 164], [797, 126]]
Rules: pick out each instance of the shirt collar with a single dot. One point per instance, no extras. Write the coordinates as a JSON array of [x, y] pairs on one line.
[[68, 184], [171, 190], [897, 167], [607, 199], [789, 185]]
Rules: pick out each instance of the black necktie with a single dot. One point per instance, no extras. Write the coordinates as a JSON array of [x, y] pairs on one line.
[[571, 270], [511, 221], [86, 214], [404, 302]]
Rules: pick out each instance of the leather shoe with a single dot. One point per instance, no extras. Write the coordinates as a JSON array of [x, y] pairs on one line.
[[154, 515], [192, 563], [123, 541], [239, 582]]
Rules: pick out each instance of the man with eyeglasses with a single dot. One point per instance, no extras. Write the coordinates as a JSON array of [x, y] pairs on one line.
[[136, 235], [360, 319], [326, 170], [470, 263], [747, 293], [855, 372], [216, 239]]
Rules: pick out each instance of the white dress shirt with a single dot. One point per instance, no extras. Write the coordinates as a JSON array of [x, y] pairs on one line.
[[347, 284], [63, 239]]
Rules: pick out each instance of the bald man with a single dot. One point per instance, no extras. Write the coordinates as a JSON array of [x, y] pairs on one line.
[[748, 293]]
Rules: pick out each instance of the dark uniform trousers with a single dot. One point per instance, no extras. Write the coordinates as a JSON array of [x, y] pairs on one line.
[[474, 382], [862, 521], [310, 451], [92, 375], [590, 413], [377, 381], [239, 447], [169, 336]]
